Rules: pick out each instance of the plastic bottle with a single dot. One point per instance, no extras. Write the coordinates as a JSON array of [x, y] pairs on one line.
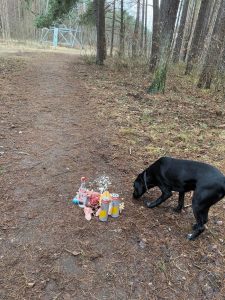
[[103, 215], [82, 193], [115, 205]]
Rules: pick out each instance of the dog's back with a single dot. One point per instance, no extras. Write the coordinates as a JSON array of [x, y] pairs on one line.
[[188, 170]]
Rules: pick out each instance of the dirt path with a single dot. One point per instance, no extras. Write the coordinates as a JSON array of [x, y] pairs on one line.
[[48, 134], [50, 137]]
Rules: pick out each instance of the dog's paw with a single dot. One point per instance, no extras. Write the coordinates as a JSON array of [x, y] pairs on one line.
[[149, 204], [190, 237], [177, 210], [194, 227]]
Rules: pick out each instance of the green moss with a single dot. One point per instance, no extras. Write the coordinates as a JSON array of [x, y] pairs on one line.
[[159, 81]]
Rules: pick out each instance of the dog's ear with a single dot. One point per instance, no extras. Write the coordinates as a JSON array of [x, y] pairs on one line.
[[137, 177]]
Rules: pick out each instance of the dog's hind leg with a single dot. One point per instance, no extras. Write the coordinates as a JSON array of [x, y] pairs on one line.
[[201, 217], [204, 217], [180, 203], [200, 205], [165, 195], [203, 199]]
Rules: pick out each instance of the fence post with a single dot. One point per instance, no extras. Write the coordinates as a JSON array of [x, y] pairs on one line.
[[55, 37]]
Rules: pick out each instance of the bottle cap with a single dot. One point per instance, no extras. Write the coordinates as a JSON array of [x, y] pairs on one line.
[[105, 200], [115, 197]]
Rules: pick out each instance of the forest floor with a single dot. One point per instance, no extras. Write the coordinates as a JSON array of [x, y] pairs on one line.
[[62, 118]]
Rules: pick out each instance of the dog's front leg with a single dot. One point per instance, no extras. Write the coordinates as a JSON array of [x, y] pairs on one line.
[[165, 195], [180, 203]]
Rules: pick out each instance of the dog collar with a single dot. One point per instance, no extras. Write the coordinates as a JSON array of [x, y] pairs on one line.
[[145, 181]]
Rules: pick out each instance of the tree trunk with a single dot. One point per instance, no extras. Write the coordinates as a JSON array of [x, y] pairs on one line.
[[206, 24], [220, 72], [207, 41], [155, 36], [100, 25], [113, 27], [142, 24], [215, 47], [46, 8], [200, 32], [136, 31], [189, 26], [180, 33], [146, 30], [180, 7], [121, 48], [4, 12], [168, 15]]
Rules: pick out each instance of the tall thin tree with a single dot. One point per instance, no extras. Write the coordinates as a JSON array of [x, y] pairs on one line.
[[113, 27], [168, 15], [213, 53], [4, 14], [155, 36], [136, 30], [142, 24], [146, 30], [121, 47], [180, 33], [200, 31], [100, 26], [189, 27]]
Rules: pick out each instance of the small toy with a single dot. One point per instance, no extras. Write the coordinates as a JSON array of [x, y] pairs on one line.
[[77, 202], [98, 204], [105, 195], [88, 211], [81, 197], [121, 206], [93, 198]]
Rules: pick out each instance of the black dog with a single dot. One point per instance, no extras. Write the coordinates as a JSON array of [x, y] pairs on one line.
[[182, 176]]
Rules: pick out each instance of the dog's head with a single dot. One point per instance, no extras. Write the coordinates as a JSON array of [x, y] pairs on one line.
[[142, 183]]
